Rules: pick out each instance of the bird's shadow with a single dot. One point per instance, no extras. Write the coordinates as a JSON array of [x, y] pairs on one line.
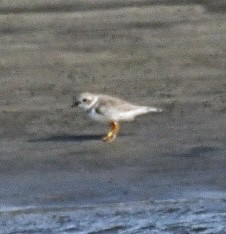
[[71, 138]]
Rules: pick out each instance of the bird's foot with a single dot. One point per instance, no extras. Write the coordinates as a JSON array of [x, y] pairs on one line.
[[110, 137]]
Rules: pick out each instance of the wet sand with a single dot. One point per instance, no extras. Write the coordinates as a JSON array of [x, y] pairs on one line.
[[170, 56]]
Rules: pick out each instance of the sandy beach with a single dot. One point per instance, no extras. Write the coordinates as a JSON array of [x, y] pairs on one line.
[[170, 55]]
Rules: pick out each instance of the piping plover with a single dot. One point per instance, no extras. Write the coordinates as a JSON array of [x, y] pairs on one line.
[[104, 108]]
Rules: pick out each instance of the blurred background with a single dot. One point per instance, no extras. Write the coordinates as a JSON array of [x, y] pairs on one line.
[[169, 54]]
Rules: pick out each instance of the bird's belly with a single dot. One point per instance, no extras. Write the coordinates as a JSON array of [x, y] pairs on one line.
[[126, 116], [97, 117]]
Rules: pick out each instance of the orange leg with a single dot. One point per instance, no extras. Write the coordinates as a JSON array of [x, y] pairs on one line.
[[111, 135]]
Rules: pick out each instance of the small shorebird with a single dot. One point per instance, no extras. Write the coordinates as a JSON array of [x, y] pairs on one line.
[[104, 108]]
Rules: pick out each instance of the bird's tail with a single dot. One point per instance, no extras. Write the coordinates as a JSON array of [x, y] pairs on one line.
[[148, 109], [153, 109]]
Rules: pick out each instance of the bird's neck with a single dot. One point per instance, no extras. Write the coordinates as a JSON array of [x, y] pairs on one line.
[[92, 104]]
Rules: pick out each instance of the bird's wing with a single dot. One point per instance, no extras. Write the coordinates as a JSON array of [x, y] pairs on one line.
[[110, 106]]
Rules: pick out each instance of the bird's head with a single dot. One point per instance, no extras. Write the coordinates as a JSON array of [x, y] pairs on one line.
[[85, 100]]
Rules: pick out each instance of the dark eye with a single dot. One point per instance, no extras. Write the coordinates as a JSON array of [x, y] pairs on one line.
[[84, 100]]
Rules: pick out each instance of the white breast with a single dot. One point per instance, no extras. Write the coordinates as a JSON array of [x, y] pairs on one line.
[[97, 117]]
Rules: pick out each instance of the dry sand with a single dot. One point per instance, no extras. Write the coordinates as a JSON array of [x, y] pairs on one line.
[[171, 56]]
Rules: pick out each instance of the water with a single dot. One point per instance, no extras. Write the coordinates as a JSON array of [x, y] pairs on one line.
[[169, 216]]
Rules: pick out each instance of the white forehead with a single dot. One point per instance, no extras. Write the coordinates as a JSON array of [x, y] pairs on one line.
[[87, 95]]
